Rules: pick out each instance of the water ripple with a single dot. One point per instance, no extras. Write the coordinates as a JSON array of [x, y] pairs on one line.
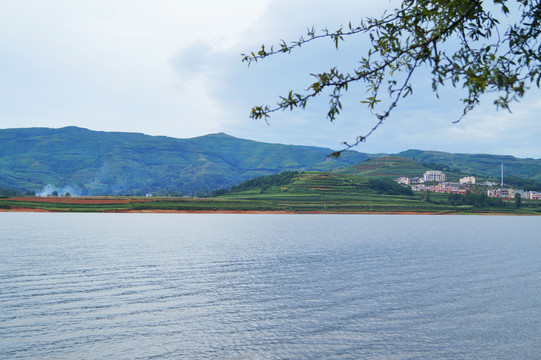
[[268, 287]]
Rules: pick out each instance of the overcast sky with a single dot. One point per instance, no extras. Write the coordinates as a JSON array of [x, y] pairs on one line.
[[174, 68]]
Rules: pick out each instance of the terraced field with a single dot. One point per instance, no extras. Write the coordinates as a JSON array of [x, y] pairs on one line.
[[396, 166], [304, 193], [391, 166], [339, 193]]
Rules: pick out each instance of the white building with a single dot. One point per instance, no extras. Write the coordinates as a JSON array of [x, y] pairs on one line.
[[510, 194], [468, 180], [489, 183], [535, 195], [523, 194], [434, 175], [403, 180]]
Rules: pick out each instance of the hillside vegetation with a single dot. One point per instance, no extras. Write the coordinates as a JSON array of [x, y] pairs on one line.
[[389, 166], [329, 192], [339, 193], [296, 192], [479, 164], [84, 162]]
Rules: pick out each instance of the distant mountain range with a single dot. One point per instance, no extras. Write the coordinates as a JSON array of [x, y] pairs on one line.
[[86, 162], [82, 161]]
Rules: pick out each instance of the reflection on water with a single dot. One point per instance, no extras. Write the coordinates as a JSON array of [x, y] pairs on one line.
[[144, 286]]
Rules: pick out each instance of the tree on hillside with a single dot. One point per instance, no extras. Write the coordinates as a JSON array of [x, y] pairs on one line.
[[462, 42], [518, 200], [388, 186]]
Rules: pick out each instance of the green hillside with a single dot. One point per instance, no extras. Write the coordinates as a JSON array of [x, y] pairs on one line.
[[339, 193], [518, 172], [395, 166], [294, 192], [389, 166], [86, 162], [328, 192], [480, 164]]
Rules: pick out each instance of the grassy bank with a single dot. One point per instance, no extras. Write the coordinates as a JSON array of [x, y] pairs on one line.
[[293, 192], [301, 197]]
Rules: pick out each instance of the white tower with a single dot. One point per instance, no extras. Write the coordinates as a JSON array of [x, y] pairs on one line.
[[502, 176]]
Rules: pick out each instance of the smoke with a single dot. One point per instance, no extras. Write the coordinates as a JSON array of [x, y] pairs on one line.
[[49, 189]]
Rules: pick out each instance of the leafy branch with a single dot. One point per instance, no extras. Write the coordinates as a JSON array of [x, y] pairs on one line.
[[422, 33]]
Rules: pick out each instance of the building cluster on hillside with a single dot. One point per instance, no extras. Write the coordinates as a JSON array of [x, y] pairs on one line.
[[434, 175], [511, 193], [440, 188], [428, 176], [420, 184]]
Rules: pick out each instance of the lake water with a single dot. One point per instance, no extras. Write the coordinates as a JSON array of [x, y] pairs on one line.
[[201, 286]]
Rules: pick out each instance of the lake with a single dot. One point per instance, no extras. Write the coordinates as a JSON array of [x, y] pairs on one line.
[[225, 286]]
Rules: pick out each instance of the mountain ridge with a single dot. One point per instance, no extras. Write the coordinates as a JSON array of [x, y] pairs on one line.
[[88, 162], [118, 163]]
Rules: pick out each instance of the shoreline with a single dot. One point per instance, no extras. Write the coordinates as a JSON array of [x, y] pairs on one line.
[[270, 212], [104, 204]]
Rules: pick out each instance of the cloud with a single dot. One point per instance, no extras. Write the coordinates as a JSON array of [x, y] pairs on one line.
[[165, 67], [192, 59], [502, 132], [215, 69], [420, 121]]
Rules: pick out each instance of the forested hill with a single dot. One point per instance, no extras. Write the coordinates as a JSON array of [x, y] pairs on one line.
[[82, 161], [413, 163], [482, 164], [85, 162]]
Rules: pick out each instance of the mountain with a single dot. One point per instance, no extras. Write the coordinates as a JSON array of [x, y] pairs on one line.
[[85, 162], [388, 166], [413, 163], [479, 164], [393, 166], [81, 161]]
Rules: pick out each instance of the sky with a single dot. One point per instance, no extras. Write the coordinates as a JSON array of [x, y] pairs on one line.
[[173, 68]]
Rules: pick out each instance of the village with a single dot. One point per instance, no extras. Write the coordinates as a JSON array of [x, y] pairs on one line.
[[434, 181]]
